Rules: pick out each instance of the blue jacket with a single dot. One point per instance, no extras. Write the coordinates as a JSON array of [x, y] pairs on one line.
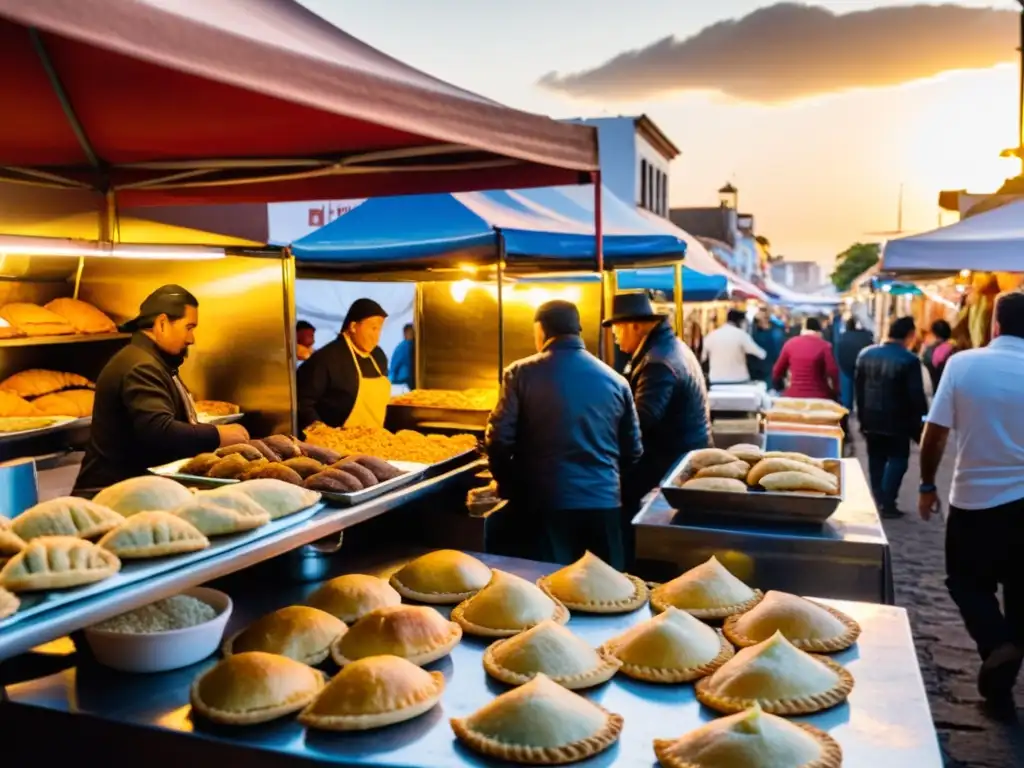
[[671, 403], [564, 431], [403, 364]]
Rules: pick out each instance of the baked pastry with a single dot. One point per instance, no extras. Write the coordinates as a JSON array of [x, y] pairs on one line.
[[9, 603], [779, 677], [268, 453], [773, 465], [10, 542], [325, 456], [818, 416], [549, 649], [809, 404], [707, 591], [232, 465], [799, 482], [212, 519], [442, 577], [333, 481], [254, 687], [794, 456], [66, 516], [540, 723], [808, 625], [591, 585], [143, 494], [57, 562], [15, 406], [381, 469], [737, 470], [249, 452], [747, 452], [284, 446], [153, 534], [372, 693], [216, 408], [82, 316], [273, 470], [298, 632], [507, 606], [303, 465], [673, 647], [199, 465], [750, 739], [708, 457], [414, 632], [34, 382], [716, 484], [77, 403], [231, 499], [33, 320], [358, 471], [352, 596], [277, 497]]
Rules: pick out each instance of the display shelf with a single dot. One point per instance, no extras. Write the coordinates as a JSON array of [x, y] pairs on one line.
[[78, 338]]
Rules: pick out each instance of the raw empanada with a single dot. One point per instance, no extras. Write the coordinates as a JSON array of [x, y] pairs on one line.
[[442, 577], [298, 632], [82, 316], [34, 382], [211, 519], [591, 585], [277, 497], [56, 562], [354, 595], [153, 534], [229, 498], [66, 516], [144, 494], [414, 632]]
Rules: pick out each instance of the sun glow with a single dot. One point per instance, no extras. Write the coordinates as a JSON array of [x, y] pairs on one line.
[[532, 296]]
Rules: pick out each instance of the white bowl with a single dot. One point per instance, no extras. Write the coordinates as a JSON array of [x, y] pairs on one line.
[[163, 651]]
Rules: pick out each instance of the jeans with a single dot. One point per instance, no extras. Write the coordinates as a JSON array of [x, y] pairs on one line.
[[846, 392], [888, 459], [983, 549]]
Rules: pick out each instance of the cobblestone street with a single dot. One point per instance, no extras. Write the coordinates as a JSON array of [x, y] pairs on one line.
[[948, 658]]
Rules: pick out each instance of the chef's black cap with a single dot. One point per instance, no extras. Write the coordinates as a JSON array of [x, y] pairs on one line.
[[170, 300], [559, 318], [363, 309]]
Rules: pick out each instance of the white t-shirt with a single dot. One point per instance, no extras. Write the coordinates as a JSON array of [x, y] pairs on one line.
[[979, 400], [726, 351]]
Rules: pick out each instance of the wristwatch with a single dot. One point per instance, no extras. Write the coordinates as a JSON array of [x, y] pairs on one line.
[[927, 488]]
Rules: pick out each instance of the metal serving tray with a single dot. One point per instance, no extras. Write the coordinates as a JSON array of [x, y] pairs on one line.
[[132, 571], [228, 418], [412, 472], [763, 507], [63, 424]]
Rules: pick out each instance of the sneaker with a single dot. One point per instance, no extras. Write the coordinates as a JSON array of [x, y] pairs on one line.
[[998, 672]]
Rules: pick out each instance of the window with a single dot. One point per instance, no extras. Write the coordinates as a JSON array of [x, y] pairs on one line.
[[643, 183], [658, 209], [664, 194]]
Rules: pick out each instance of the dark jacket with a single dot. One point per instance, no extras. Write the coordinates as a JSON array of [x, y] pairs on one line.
[[770, 340], [671, 404], [564, 431], [139, 418], [850, 345], [890, 391], [328, 382]]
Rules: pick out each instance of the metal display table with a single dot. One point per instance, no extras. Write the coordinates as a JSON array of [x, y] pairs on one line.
[[847, 558], [146, 718]]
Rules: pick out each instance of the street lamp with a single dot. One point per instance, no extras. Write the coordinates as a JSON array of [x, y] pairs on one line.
[[1018, 151], [729, 196]]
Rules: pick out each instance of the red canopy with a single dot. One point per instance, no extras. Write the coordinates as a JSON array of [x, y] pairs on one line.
[[171, 102]]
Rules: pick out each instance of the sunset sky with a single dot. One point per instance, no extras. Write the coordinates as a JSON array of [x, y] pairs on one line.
[[816, 112]]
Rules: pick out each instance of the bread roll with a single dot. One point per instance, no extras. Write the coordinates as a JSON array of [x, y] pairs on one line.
[[793, 456], [747, 452], [808, 404], [797, 481], [737, 470], [771, 466], [819, 416], [719, 484], [709, 457]]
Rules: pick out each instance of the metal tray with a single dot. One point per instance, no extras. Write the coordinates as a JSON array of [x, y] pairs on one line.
[[230, 418], [762, 507], [412, 472], [64, 424], [410, 416], [132, 571]]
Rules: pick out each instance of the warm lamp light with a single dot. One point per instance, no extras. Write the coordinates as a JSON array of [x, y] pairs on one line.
[[39, 246], [532, 296]]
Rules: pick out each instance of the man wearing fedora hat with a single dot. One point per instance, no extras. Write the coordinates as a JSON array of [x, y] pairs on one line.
[[668, 390]]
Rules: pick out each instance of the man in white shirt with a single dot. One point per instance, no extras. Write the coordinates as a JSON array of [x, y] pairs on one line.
[[726, 351], [979, 400]]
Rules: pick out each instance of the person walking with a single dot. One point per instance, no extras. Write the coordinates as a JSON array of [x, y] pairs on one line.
[[809, 362], [766, 336], [891, 405], [726, 350], [937, 351], [978, 399], [852, 342]]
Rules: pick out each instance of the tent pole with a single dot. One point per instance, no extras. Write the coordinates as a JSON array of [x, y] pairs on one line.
[[677, 293], [604, 340], [501, 307]]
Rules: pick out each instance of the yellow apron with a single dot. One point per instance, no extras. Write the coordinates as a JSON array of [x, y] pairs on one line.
[[372, 397]]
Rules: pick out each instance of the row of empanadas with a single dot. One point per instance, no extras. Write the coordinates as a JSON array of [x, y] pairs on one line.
[[58, 317], [66, 516], [35, 382], [153, 534]]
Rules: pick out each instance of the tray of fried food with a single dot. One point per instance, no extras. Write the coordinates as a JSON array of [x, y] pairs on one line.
[[448, 399], [342, 479], [748, 482], [218, 412], [404, 445]]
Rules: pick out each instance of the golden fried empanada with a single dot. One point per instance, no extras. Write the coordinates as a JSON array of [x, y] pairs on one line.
[[82, 316], [33, 320], [34, 382]]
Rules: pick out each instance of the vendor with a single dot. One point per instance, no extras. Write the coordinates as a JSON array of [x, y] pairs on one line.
[[305, 338], [345, 383], [143, 415]]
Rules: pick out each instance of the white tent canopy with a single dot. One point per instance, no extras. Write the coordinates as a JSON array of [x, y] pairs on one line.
[[989, 242], [795, 299]]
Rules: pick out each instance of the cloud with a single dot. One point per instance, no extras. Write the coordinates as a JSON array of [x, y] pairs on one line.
[[790, 51]]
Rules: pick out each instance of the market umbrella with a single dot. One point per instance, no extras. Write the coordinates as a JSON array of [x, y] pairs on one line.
[[170, 102]]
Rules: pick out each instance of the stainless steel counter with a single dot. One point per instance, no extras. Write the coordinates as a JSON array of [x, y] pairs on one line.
[[131, 718], [847, 558], [47, 626]]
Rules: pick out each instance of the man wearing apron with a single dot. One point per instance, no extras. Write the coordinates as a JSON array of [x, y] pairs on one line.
[[345, 383]]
